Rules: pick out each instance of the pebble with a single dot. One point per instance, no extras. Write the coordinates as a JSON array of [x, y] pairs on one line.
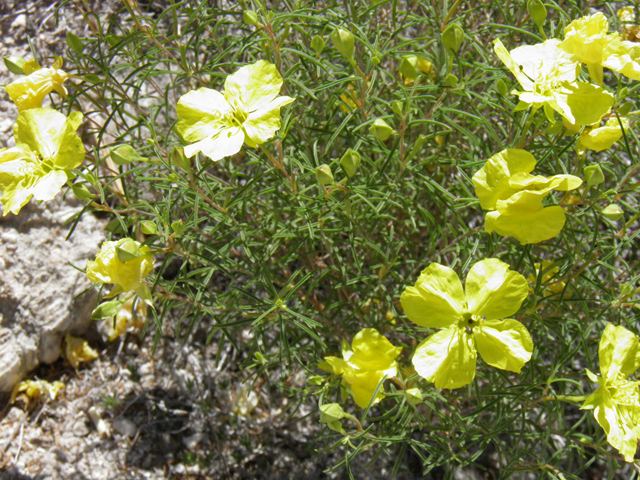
[[80, 428], [19, 22], [101, 426], [192, 441], [124, 426]]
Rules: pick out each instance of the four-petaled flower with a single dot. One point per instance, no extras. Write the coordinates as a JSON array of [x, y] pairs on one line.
[[248, 112], [548, 76], [469, 320], [616, 402], [126, 275], [29, 91], [46, 147], [505, 186], [370, 359]]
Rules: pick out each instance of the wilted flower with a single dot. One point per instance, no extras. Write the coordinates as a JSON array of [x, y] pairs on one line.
[[218, 124], [131, 316], [505, 186], [548, 76], [46, 147], [37, 389], [588, 41], [126, 274], [469, 320], [78, 351], [616, 402], [365, 364], [29, 91]]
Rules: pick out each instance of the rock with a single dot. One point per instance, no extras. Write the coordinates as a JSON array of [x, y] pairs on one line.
[[38, 285], [124, 426], [19, 22]]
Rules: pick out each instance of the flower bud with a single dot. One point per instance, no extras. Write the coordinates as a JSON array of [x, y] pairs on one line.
[[331, 412], [380, 129], [317, 43], [178, 227], [324, 175], [451, 80], [396, 106], [343, 41], [148, 227], [414, 396], [74, 43], [452, 37], [128, 250], [81, 191], [125, 154], [350, 162], [14, 64], [501, 88], [409, 66], [625, 108], [593, 175], [613, 212], [251, 18], [537, 11]]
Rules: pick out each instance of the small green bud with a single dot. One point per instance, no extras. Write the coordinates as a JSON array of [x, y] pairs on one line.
[[613, 212], [537, 11], [451, 80], [452, 37], [81, 191], [316, 380], [396, 106], [148, 227], [179, 159], [107, 309], [414, 396], [350, 162], [416, 148], [344, 42], [14, 64], [178, 227], [624, 91], [317, 43], [381, 130], [625, 108], [91, 78], [259, 358], [375, 60], [74, 43], [501, 88], [336, 427], [112, 40], [128, 250], [125, 154], [625, 290], [250, 18], [593, 175], [409, 66], [324, 174], [331, 412]]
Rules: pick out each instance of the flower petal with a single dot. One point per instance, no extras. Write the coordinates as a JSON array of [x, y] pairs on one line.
[[619, 352], [29, 91], [363, 385], [262, 124], [581, 103], [527, 227], [447, 358], [49, 185], [253, 87], [226, 143], [437, 298], [492, 180], [604, 137], [372, 351], [493, 290], [201, 114], [504, 344], [623, 57]]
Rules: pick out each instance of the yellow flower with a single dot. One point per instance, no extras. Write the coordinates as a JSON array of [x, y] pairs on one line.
[[616, 402], [505, 186], [29, 91], [587, 40], [548, 272], [78, 351], [370, 359], [601, 138], [46, 147], [126, 275], [248, 112], [548, 76], [631, 32], [469, 320]]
